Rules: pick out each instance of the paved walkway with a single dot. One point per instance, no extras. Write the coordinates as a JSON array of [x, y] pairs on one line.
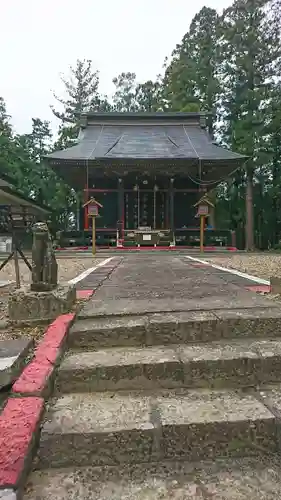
[[162, 283]]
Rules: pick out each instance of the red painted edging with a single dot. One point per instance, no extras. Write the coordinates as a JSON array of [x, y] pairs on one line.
[[166, 248], [84, 294], [19, 422], [35, 377], [259, 288]]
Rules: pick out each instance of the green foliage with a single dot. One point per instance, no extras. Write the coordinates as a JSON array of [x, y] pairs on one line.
[[82, 95], [21, 158], [131, 96], [231, 65], [191, 78]]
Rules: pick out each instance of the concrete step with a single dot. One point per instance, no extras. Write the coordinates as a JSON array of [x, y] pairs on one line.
[[14, 355], [241, 363], [246, 478], [135, 427], [175, 328]]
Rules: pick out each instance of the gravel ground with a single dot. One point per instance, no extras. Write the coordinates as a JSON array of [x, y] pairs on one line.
[[68, 268], [263, 266]]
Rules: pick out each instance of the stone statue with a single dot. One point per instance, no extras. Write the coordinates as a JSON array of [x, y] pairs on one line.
[[44, 264]]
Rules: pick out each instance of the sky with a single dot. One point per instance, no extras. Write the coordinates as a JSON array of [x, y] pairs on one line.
[[42, 38]]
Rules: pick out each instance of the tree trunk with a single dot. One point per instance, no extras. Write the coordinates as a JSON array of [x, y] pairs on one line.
[[250, 244]]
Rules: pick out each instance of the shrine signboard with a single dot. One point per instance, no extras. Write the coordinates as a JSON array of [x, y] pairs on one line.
[[93, 210], [93, 207], [203, 210]]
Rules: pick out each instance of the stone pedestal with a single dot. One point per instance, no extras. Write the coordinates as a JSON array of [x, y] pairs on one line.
[[275, 285], [31, 306]]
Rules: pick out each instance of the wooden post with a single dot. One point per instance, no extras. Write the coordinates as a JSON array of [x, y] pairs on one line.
[[202, 229], [17, 271], [172, 212], [94, 235], [92, 207], [204, 205]]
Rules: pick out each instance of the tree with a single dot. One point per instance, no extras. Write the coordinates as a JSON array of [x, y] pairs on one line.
[[48, 188], [124, 97], [14, 154], [178, 81], [148, 96], [40, 140], [131, 96], [82, 91], [191, 78], [272, 147], [251, 47], [6, 138]]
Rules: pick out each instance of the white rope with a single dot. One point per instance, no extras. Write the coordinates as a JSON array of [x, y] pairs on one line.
[[189, 140], [199, 181], [195, 151], [93, 150]]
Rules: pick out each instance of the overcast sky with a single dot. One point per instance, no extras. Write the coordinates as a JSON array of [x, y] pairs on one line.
[[41, 38]]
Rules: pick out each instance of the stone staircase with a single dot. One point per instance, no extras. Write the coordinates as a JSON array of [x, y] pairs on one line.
[[183, 386]]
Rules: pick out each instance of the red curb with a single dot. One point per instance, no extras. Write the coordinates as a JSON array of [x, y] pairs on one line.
[[19, 423], [51, 342], [84, 294], [35, 378], [168, 248], [259, 288]]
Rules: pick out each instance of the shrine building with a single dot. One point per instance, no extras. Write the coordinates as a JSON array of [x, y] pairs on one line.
[[147, 170]]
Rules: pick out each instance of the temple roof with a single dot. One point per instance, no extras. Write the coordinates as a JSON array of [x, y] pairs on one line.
[[144, 136]]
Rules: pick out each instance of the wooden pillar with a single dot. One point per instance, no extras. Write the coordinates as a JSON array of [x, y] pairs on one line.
[[86, 198], [212, 217], [167, 205], [172, 210], [121, 221], [250, 243], [78, 212]]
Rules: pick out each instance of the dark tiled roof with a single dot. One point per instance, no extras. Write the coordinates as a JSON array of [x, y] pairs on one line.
[[145, 141]]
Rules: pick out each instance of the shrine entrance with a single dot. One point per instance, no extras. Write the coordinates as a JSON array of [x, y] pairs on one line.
[[146, 205], [147, 170]]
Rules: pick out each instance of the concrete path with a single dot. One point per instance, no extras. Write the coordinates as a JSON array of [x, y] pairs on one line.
[[170, 389], [163, 283]]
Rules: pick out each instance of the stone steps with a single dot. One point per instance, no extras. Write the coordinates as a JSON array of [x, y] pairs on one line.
[[228, 479], [174, 328], [166, 367], [112, 428], [232, 363]]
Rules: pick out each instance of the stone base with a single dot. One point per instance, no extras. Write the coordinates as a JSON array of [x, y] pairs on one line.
[[27, 305], [275, 285]]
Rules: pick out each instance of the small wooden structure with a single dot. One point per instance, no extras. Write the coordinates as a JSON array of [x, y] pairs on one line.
[[17, 215], [204, 205], [92, 206]]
